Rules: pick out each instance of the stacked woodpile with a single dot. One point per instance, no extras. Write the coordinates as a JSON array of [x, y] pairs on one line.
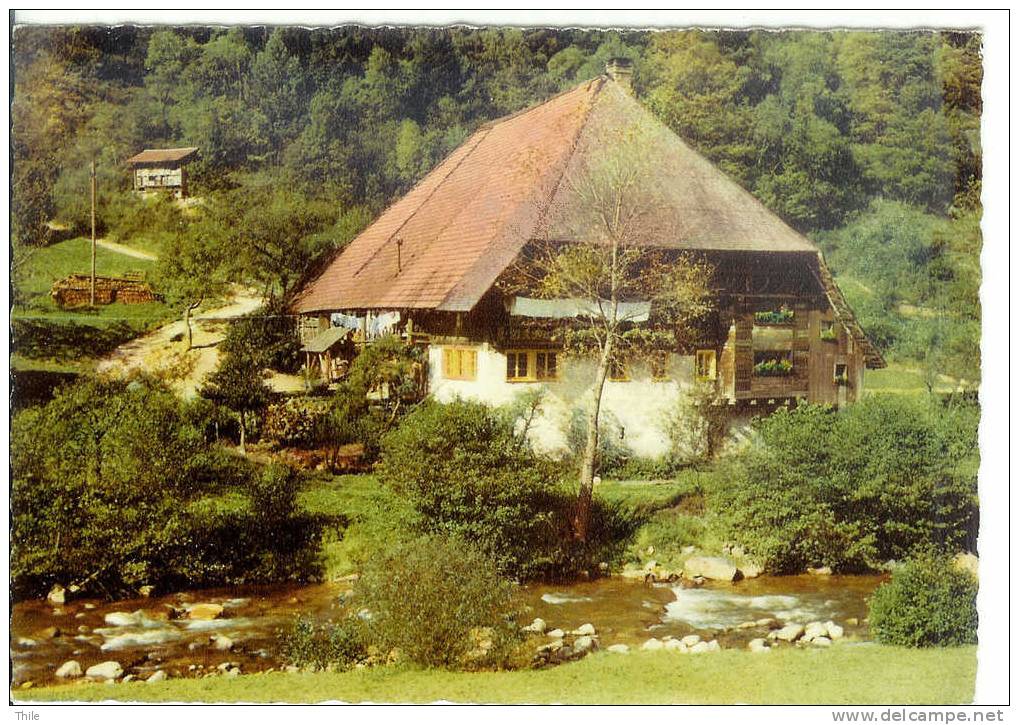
[[75, 290]]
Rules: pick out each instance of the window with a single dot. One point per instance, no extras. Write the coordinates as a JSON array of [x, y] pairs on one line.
[[841, 376], [459, 363], [773, 363], [828, 332], [516, 365], [705, 370], [659, 364], [531, 365], [618, 371], [546, 365]]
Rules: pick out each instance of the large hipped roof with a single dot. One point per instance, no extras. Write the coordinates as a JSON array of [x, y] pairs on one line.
[[444, 244]]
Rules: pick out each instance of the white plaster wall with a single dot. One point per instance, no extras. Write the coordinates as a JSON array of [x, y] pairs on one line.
[[641, 408]]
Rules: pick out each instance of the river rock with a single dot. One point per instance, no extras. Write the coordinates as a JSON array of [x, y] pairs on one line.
[[702, 647], [653, 645], [57, 595], [788, 633], [221, 643], [123, 619], [966, 561], [768, 622], [584, 630], [537, 626], [233, 672], [556, 634], [746, 625], [71, 668], [758, 645], [691, 639], [750, 570], [584, 644], [814, 630], [675, 645], [819, 571], [109, 670], [157, 676], [619, 649], [853, 622], [834, 630], [710, 567], [821, 642], [205, 611], [47, 633]]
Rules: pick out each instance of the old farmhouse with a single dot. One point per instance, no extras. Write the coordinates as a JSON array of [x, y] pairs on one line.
[[429, 268], [162, 170]]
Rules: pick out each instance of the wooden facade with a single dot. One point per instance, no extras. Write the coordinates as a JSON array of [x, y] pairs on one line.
[[162, 170]]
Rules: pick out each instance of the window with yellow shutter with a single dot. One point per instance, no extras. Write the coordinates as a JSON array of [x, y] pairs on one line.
[[705, 365], [459, 363], [531, 365]]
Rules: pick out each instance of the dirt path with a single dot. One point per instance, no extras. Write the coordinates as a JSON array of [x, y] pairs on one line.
[[162, 352], [125, 250]]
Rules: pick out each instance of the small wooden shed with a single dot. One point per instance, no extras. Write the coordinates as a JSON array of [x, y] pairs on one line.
[[332, 351], [162, 169]]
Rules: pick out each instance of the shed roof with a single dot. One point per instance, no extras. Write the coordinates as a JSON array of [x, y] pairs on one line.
[[325, 340], [163, 156]]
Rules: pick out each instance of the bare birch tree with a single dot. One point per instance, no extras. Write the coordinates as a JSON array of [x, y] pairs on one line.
[[620, 229]]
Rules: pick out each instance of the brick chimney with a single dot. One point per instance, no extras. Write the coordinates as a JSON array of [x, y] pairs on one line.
[[621, 71]]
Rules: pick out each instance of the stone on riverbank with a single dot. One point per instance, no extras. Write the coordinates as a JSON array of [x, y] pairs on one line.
[[710, 567], [758, 645], [583, 645], [157, 676], [619, 649], [691, 639], [109, 670], [788, 633], [221, 643], [205, 611], [71, 668], [814, 630], [57, 595], [819, 571], [537, 626], [653, 645], [584, 630], [675, 645], [834, 630], [821, 642], [556, 633]]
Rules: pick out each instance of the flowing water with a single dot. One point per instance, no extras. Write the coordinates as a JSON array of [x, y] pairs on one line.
[[144, 635]]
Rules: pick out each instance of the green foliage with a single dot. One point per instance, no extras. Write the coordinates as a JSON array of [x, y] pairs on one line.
[[773, 368], [879, 480], [438, 601], [928, 603], [336, 645], [102, 478], [774, 317], [468, 474], [268, 336]]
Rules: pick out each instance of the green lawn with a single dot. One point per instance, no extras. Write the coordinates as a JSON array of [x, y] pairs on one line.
[[844, 674], [51, 338]]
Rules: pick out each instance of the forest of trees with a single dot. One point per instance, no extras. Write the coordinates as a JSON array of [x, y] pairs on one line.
[[867, 142]]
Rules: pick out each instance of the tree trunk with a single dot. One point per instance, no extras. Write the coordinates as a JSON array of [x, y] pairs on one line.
[[187, 319], [582, 518], [243, 433]]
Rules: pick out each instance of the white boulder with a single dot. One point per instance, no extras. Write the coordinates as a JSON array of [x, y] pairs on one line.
[[653, 645], [71, 668], [710, 567], [109, 670]]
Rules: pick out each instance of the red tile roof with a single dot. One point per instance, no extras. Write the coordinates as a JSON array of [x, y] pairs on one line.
[[463, 224], [162, 156]]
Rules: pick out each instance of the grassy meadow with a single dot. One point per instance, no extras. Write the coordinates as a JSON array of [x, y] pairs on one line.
[[846, 674]]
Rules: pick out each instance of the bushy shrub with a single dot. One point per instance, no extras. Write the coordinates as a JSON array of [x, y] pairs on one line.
[[468, 473], [103, 480], [928, 603], [337, 645], [879, 480], [440, 602], [268, 336]]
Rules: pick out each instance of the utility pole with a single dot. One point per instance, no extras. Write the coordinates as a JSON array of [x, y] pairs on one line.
[[92, 288]]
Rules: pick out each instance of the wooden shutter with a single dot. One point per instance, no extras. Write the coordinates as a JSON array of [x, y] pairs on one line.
[[744, 361]]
